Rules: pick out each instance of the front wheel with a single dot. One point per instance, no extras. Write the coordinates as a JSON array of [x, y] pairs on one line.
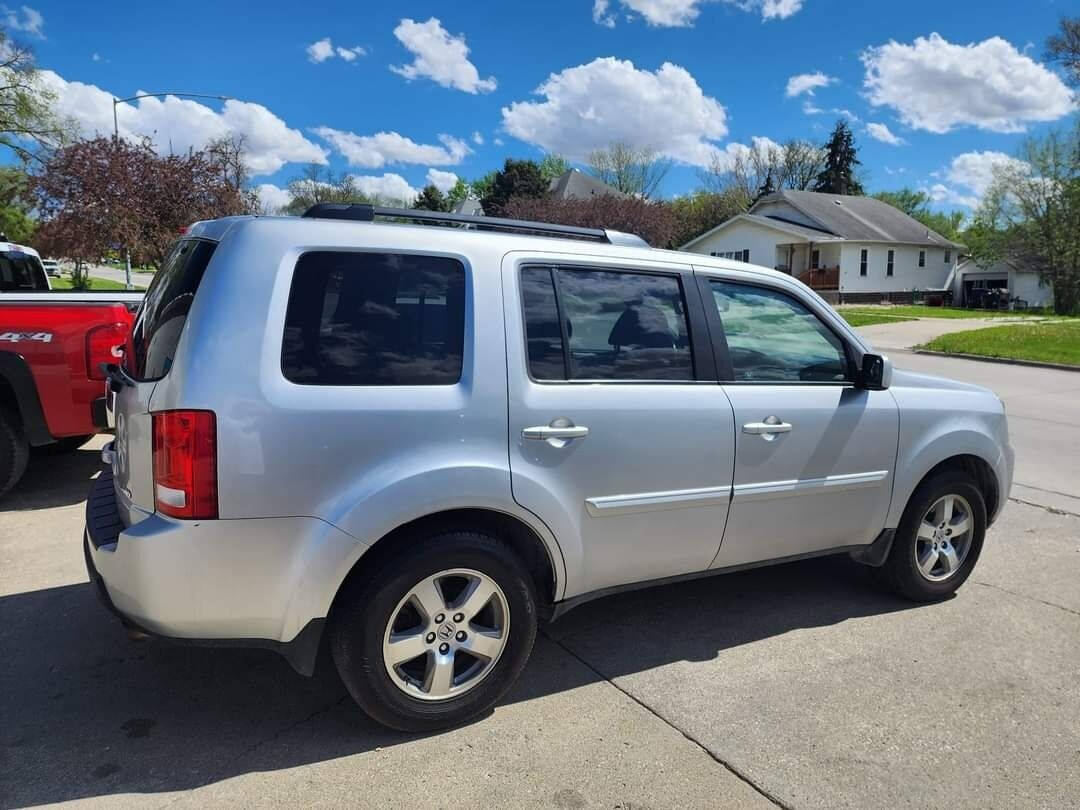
[[433, 637], [939, 538]]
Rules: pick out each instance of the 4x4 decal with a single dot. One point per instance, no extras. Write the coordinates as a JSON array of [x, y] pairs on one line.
[[19, 337]]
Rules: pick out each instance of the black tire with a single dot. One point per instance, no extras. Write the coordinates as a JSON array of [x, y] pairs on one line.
[[14, 450], [901, 573], [68, 444], [363, 611]]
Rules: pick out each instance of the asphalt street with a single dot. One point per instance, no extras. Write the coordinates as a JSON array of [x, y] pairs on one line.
[[798, 686]]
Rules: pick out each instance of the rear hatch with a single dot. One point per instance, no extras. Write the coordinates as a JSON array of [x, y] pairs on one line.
[[155, 337]]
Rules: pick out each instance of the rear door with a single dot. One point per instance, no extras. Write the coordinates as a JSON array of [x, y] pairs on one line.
[[154, 340], [814, 454], [621, 441]]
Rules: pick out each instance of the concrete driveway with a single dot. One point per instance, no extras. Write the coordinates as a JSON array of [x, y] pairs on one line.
[[797, 686]]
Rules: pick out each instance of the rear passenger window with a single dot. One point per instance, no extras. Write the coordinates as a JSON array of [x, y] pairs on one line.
[[374, 319], [618, 325]]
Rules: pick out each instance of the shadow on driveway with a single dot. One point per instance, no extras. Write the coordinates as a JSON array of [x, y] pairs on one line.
[[88, 713], [55, 478]]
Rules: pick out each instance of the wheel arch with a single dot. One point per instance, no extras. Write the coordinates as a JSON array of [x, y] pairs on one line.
[[19, 394], [975, 466]]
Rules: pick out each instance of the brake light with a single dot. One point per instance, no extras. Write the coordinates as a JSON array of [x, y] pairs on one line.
[[185, 464], [104, 344]]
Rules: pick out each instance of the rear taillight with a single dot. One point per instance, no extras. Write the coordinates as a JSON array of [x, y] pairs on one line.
[[105, 344], [185, 464]]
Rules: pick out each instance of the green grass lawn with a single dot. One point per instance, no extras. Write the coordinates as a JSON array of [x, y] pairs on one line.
[[1044, 342], [95, 284], [909, 312], [869, 318]]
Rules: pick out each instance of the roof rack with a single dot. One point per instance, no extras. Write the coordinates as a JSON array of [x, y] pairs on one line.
[[365, 212]]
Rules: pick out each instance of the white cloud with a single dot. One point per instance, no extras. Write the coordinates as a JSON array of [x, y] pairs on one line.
[[382, 148], [975, 170], [684, 13], [320, 51], [806, 83], [439, 56], [24, 18], [349, 54], [937, 86], [443, 181], [941, 193], [881, 132], [325, 49], [810, 108], [499, 142], [478, 139], [731, 152], [271, 197], [587, 107], [179, 124], [389, 186]]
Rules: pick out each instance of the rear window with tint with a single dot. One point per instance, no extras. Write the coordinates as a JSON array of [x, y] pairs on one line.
[[164, 311], [374, 319], [21, 272]]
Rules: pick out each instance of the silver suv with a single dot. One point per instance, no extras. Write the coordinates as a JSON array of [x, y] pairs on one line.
[[416, 441]]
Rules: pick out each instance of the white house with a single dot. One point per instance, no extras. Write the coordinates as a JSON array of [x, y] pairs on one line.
[[835, 243], [1025, 289]]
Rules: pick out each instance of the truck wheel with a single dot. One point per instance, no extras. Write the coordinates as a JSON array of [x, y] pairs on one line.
[[68, 444], [434, 636], [939, 538], [14, 450]]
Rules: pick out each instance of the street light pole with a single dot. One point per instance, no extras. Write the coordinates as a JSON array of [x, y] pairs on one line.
[[116, 137]]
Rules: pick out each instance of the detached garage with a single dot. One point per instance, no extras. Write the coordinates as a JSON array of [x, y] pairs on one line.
[[1021, 288]]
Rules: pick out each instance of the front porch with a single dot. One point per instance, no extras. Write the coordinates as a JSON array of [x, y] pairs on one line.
[[815, 264]]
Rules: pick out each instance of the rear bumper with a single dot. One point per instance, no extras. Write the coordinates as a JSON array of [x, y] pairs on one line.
[[237, 583]]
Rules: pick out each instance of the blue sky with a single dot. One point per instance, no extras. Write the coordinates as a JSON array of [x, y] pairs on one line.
[[952, 104]]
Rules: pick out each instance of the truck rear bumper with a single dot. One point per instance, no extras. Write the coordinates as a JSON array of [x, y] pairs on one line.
[[251, 583]]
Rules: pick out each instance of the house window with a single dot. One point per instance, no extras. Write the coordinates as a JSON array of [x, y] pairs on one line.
[[889, 264], [922, 258], [815, 259], [737, 255], [862, 261], [948, 257]]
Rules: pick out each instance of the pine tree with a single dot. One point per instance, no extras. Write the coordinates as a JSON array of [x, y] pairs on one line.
[[838, 176], [431, 199]]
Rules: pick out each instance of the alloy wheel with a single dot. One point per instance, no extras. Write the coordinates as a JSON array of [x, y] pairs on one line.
[[944, 538]]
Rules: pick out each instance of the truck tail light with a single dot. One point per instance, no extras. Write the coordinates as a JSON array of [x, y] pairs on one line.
[[104, 344], [185, 464]]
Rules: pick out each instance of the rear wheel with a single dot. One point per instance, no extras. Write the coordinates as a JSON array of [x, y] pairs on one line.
[[939, 538], [14, 450], [434, 637]]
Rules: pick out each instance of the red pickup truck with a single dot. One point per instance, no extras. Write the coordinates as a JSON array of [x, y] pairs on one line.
[[52, 345]]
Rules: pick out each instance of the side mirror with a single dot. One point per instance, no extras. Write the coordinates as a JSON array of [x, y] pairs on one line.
[[876, 372]]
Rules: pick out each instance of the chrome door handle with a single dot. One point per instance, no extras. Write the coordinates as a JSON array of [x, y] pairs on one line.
[[768, 427], [544, 432]]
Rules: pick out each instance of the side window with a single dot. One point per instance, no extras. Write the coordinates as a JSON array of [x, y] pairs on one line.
[[862, 261], [771, 337], [374, 319], [889, 263], [922, 258], [618, 325]]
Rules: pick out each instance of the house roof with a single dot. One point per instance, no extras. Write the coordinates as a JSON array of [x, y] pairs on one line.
[[803, 232], [575, 185], [470, 206], [858, 218]]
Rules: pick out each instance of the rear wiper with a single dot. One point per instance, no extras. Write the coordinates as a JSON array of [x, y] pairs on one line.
[[118, 378]]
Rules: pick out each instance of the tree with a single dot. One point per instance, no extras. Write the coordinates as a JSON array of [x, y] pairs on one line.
[[702, 211], [459, 192], [517, 178], [1030, 216], [100, 195], [481, 187], [637, 171], [652, 221], [552, 166], [841, 160], [908, 200], [319, 184], [16, 205], [229, 154], [26, 116], [1064, 47], [431, 199], [800, 164]]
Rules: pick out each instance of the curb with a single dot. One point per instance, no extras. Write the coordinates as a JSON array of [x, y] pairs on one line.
[[1009, 361]]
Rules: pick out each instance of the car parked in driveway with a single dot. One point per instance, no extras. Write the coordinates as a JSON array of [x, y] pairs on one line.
[[417, 442]]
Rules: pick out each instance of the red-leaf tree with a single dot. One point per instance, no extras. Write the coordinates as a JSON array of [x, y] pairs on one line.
[[652, 221], [107, 194]]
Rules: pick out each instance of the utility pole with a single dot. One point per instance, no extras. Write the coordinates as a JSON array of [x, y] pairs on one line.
[[116, 137]]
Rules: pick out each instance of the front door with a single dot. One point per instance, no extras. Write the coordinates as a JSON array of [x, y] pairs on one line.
[[814, 455], [619, 442]]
